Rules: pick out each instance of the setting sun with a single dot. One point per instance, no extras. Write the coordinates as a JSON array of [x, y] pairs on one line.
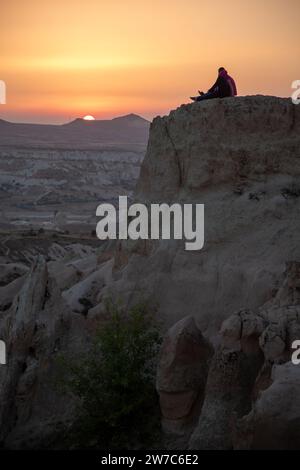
[[89, 118], [146, 57]]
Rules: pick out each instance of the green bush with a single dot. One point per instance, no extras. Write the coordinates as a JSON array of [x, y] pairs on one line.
[[115, 384]]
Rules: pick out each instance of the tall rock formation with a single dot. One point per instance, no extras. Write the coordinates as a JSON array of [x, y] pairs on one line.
[[241, 158]]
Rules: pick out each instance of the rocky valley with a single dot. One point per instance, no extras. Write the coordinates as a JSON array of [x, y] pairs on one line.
[[53, 177], [229, 312]]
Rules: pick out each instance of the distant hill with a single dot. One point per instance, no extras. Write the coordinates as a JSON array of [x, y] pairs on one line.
[[121, 131]]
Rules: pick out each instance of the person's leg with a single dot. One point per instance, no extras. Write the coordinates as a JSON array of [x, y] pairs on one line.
[[205, 96]]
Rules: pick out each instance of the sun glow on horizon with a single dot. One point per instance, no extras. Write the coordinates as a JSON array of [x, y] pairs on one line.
[[64, 57], [89, 118]]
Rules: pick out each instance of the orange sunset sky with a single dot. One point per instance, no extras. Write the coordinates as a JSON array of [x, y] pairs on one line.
[[63, 59]]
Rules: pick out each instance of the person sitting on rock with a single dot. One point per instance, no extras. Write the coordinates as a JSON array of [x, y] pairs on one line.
[[224, 87]]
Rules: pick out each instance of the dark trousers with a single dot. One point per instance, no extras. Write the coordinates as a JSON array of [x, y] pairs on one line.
[[207, 96]]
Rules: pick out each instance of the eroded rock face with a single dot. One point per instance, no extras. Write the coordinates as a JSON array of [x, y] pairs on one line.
[[82, 296], [36, 329], [219, 142], [251, 396], [274, 420], [240, 158], [10, 272], [230, 382], [181, 377]]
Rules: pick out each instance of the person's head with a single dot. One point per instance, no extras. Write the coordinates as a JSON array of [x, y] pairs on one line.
[[222, 71]]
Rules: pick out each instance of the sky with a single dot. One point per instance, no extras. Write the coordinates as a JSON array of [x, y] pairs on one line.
[[63, 59]]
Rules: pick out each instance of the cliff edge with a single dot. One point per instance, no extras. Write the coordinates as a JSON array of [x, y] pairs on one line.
[[218, 142]]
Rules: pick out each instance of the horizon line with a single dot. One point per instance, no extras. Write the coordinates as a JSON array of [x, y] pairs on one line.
[[73, 120]]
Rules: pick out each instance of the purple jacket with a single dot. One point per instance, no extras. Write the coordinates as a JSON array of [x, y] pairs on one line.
[[230, 82]]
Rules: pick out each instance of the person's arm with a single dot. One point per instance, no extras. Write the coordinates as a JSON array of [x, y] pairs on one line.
[[215, 85]]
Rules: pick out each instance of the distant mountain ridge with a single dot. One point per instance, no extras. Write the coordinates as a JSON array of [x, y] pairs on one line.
[[127, 118], [130, 129]]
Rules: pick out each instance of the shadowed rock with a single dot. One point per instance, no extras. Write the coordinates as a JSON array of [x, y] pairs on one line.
[[181, 377]]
